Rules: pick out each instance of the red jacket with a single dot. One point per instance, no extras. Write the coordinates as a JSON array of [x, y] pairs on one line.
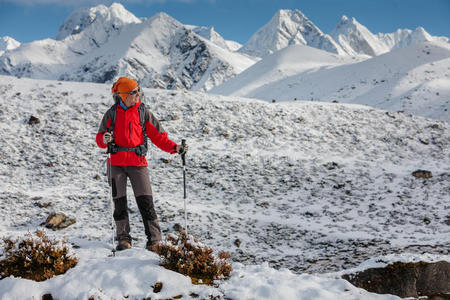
[[128, 133]]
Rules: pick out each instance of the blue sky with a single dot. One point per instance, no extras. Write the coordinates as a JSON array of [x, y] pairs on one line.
[[29, 20]]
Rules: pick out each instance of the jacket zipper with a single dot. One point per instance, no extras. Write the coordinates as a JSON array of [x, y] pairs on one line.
[[129, 130]]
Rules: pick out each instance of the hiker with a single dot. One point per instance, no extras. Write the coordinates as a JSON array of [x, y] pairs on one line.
[[125, 128]]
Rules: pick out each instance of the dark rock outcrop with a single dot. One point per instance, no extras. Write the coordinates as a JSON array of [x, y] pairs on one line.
[[33, 120], [406, 279]]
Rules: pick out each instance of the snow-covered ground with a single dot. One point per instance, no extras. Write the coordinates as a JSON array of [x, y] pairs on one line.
[[414, 79], [312, 187]]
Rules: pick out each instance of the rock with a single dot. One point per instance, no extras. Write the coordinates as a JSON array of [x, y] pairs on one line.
[[58, 221], [165, 160], [237, 242], [331, 165], [424, 141], [177, 227], [157, 287], [47, 297], [422, 174], [33, 121], [264, 204], [406, 279], [42, 205]]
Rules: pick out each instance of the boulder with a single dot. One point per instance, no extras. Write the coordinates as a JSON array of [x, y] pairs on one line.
[[422, 174], [406, 279], [58, 221], [33, 120]]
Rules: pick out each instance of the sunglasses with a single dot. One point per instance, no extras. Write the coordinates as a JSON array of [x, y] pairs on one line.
[[132, 92]]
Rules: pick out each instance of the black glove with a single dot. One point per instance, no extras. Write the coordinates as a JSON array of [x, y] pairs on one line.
[[182, 149]]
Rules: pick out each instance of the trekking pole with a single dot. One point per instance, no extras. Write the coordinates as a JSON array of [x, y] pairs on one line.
[[183, 157], [111, 198]]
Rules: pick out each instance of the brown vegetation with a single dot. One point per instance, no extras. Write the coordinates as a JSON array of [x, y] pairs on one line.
[[36, 258], [185, 255]]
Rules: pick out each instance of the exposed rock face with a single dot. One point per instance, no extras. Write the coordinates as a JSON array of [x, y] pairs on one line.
[[406, 279]]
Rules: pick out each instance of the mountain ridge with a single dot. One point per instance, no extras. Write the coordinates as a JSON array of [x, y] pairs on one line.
[[102, 43], [288, 27], [414, 80]]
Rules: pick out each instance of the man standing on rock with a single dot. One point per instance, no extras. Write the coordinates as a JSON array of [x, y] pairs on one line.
[[125, 128]]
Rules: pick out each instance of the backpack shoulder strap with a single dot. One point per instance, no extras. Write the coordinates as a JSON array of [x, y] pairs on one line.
[[112, 112], [142, 119]]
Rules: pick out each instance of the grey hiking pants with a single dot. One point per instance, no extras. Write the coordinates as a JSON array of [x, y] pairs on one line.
[[140, 182]]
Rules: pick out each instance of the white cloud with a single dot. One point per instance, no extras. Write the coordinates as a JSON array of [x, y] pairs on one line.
[[87, 2]]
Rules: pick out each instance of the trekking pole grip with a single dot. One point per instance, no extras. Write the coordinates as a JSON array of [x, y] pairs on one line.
[[183, 143]]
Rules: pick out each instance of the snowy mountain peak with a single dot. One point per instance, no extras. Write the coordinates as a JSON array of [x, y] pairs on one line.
[[356, 39], [162, 19], [288, 27], [210, 34], [345, 21], [115, 16], [8, 43], [284, 15], [100, 44], [421, 34], [405, 37]]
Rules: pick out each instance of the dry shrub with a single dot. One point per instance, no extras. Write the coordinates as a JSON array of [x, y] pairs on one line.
[[36, 258], [187, 256]]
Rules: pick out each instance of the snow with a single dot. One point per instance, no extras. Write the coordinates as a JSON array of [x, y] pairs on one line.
[[414, 79], [407, 37], [282, 64], [356, 39], [316, 188], [7, 43], [288, 27], [97, 44], [131, 274], [97, 18], [300, 191]]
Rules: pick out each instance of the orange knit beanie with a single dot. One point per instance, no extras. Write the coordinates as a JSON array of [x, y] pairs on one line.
[[124, 85]]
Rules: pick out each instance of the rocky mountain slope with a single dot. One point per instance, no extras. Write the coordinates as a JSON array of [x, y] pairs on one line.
[[313, 187]]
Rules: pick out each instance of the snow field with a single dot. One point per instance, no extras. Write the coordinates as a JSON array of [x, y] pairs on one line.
[[312, 187]]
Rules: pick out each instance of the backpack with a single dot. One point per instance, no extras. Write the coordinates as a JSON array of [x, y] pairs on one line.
[[139, 150]]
